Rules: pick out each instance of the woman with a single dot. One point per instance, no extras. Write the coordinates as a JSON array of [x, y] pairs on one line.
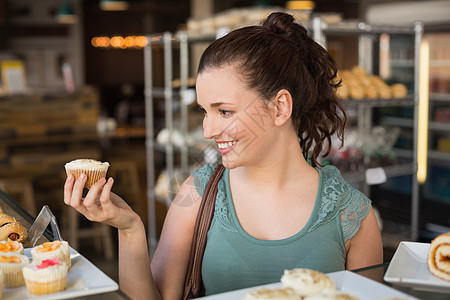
[[268, 94]]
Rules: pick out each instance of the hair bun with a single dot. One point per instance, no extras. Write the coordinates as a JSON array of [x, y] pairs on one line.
[[278, 22], [283, 24]]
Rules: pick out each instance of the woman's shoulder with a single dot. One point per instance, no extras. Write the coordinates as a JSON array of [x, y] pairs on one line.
[[340, 198], [202, 176], [334, 185]]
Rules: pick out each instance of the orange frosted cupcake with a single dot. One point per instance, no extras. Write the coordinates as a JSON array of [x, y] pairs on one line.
[[93, 169], [11, 265], [49, 250], [11, 247], [46, 277]]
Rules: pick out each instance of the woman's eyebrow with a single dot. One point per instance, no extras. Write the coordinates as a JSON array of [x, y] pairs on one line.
[[217, 104]]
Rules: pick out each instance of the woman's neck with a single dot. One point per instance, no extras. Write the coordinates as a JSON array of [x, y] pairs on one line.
[[286, 164]]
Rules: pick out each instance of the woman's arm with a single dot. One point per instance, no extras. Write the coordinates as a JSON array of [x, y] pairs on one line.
[[165, 279], [365, 248], [170, 261]]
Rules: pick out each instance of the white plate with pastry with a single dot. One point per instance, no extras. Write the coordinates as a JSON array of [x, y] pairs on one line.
[[408, 267], [83, 279], [346, 281]]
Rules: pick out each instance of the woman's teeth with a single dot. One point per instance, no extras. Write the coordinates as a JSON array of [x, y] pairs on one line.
[[226, 145]]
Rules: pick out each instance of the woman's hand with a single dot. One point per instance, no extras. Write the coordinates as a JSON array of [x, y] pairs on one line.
[[100, 204]]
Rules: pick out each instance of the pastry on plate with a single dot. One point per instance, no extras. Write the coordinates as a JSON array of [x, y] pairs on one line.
[[271, 293], [11, 229], [307, 282], [332, 295], [46, 277], [438, 260], [49, 250], [93, 169], [11, 265]]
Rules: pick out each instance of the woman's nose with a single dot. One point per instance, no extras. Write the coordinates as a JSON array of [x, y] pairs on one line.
[[210, 128]]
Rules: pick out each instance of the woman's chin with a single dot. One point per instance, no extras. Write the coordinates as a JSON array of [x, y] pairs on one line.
[[229, 162]]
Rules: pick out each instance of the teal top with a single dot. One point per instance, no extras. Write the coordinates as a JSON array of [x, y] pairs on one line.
[[233, 259]]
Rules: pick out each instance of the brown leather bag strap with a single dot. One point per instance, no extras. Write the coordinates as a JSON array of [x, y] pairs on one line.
[[193, 286]]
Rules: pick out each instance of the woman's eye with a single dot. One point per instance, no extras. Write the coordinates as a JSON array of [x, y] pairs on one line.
[[226, 113], [201, 109]]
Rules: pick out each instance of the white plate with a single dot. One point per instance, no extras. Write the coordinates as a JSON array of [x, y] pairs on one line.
[[83, 278], [408, 267], [346, 281]]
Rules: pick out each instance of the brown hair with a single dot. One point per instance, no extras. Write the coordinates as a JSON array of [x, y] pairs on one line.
[[277, 55]]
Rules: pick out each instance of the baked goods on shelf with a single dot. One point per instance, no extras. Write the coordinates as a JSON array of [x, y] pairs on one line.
[[11, 229], [438, 260], [357, 84], [50, 250], [45, 277], [93, 169], [11, 265]]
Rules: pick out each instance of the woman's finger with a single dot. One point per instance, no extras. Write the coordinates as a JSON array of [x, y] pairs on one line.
[[68, 187], [105, 197], [77, 192], [93, 193]]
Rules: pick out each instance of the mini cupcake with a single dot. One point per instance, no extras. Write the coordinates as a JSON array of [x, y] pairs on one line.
[[11, 265], [49, 250], [11, 247], [46, 277], [94, 169]]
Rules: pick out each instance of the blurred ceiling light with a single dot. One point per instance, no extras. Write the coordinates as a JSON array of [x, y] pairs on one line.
[[66, 14], [114, 4]]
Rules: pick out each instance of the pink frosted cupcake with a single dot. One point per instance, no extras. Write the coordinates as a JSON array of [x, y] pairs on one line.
[[94, 169], [46, 277]]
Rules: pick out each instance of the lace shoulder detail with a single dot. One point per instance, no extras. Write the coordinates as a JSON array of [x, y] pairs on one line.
[[201, 178], [340, 198], [221, 209]]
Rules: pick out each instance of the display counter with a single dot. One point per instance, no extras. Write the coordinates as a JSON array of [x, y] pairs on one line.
[[85, 268]]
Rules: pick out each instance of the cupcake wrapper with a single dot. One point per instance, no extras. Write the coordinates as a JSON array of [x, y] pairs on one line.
[[92, 175], [42, 288], [13, 277]]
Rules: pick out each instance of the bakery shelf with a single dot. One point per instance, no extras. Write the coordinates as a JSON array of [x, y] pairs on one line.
[[409, 101], [439, 126], [437, 155], [440, 97], [391, 171]]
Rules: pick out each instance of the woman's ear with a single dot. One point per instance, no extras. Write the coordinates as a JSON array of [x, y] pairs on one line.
[[283, 107]]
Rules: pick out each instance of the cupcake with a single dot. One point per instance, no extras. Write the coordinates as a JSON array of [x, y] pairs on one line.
[[93, 169], [1, 284], [11, 265], [49, 250], [11, 247], [271, 293], [45, 277], [307, 282]]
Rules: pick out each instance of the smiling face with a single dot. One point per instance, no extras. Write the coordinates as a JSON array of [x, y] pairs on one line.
[[236, 117]]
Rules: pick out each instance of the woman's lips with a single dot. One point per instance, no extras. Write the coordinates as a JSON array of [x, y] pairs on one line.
[[225, 147]]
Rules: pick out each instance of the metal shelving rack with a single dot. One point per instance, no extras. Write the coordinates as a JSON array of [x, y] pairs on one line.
[[319, 30], [366, 34]]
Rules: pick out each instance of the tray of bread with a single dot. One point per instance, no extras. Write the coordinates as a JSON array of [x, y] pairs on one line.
[[309, 284], [44, 270], [422, 266]]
